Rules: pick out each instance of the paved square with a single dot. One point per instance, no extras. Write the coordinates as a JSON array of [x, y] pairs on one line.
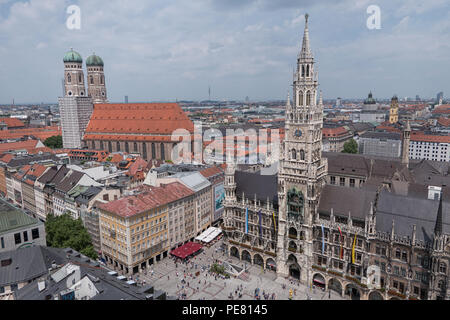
[[179, 279]]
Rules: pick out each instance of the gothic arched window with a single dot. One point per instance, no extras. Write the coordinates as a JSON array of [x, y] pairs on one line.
[[308, 98], [303, 70], [300, 98], [302, 154], [79, 78], [109, 146], [293, 154], [307, 70], [91, 79], [144, 150], [127, 147], [118, 146], [135, 147], [69, 78], [102, 79], [153, 151], [295, 203], [163, 156]]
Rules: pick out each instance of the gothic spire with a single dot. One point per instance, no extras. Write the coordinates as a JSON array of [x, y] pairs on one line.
[[306, 51], [288, 102]]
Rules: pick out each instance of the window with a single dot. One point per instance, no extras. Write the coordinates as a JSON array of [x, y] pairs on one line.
[[13, 287], [442, 267], [302, 154], [342, 182], [2, 290], [332, 180], [352, 183], [2, 242], [25, 236], [404, 256], [163, 156], [17, 238], [35, 233], [91, 79], [397, 253], [69, 78]]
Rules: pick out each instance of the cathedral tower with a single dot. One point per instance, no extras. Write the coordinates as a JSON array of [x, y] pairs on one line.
[[302, 169], [96, 79], [73, 75], [76, 106]]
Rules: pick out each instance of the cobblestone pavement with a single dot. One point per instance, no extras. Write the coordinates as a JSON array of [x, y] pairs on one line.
[[168, 276]]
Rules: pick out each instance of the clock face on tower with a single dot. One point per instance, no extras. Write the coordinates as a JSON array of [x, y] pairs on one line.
[[298, 133]]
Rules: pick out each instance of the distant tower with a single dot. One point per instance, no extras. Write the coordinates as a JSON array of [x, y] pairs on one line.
[[126, 99], [209, 93], [393, 111], [405, 144], [96, 79], [75, 106]]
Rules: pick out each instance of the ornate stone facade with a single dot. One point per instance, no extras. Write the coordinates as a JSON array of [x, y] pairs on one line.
[[333, 235]]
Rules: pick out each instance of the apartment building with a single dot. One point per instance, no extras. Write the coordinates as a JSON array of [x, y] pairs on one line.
[[134, 229]]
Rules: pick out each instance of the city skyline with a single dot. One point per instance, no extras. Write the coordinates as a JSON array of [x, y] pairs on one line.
[[176, 51]]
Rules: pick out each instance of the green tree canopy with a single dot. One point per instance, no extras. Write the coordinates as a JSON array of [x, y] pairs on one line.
[[54, 142], [351, 146], [64, 231]]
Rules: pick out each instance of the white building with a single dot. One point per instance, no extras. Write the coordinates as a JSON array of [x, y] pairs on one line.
[[429, 147]]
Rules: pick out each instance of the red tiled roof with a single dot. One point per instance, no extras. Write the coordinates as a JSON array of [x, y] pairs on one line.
[[11, 146], [137, 118], [333, 132], [36, 170], [153, 198], [419, 136], [208, 172], [444, 122], [444, 109], [39, 133], [12, 122], [138, 165]]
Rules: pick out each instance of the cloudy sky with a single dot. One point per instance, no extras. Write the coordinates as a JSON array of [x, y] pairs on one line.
[[174, 49]]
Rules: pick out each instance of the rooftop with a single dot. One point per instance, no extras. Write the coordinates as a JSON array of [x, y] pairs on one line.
[[13, 218], [152, 198]]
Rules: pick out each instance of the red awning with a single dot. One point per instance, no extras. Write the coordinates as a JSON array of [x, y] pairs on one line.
[[186, 250]]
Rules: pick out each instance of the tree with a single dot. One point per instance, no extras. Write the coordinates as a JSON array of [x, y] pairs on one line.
[[54, 142], [65, 232], [351, 146]]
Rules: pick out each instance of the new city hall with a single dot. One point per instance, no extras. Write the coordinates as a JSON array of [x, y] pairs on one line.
[[335, 220]]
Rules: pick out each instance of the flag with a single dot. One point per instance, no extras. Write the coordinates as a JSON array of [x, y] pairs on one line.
[[353, 249], [274, 222], [246, 220], [323, 241], [342, 245], [260, 224]]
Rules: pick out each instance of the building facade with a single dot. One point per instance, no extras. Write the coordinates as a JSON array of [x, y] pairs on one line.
[[359, 226]]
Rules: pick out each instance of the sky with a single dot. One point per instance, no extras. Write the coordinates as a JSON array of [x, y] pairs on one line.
[[167, 50]]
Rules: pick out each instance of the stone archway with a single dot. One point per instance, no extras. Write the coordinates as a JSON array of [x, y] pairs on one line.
[[234, 252], [319, 280], [294, 271], [375, 295], [292, 233], [353, 292], [257, 259], [291, 258], [335, 285], [271, 264], [245, 256]]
